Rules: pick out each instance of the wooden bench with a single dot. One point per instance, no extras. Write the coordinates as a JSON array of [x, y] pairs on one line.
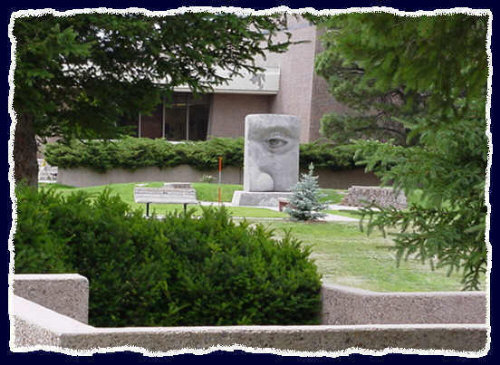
[[165, 195]]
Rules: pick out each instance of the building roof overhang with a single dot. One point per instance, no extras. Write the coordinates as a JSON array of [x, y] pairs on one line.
[[262, 83]]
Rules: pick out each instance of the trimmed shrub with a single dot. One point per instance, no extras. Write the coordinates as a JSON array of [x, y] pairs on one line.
[[176, 271], [133, 153], [327, 155], [39, 248]]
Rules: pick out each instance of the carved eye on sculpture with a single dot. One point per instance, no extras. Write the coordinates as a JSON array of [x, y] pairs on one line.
[[276, 142]]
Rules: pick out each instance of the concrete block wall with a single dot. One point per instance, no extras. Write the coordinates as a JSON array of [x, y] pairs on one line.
[[347, 306], [36, 325], [67, 294], [80, 177]]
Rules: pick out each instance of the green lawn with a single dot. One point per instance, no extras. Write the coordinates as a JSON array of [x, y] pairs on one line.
[[209, 192], [205, 192], [346, 256], [345, 213], [332, 196]]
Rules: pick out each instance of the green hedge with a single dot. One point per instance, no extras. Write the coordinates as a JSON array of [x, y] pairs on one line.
[[133, 153], [177, 271]]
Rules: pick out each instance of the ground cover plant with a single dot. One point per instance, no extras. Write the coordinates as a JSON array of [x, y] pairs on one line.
[[166, 272]]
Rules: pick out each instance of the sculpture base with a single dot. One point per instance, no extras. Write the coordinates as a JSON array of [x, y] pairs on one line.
[[259, 198]]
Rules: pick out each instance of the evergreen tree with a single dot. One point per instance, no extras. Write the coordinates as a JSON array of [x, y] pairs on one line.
[[439, 63], [306, 203], [79, 75], [373, 112]]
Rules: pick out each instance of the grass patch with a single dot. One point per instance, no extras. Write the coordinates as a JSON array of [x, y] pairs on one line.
[[346, 256], [345, 213], [203, 190], [210, 192], [332, 196]]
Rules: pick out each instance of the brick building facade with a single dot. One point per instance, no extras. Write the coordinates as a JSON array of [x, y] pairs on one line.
[[287, 86]]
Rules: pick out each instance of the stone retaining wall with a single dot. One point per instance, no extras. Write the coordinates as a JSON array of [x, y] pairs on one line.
[[358, 312], [359, 196], [80, 177]]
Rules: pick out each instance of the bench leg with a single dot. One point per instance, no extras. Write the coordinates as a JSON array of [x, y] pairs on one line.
[[185, 207], [147, 209]]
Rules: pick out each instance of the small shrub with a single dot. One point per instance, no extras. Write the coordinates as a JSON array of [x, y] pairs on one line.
[[306, 202], [207, 179], [176, 271]]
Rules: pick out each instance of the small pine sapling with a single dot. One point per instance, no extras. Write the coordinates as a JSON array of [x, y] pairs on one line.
[[305, 203]]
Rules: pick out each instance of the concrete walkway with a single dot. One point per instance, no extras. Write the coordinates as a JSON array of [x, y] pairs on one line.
[[338, 218], [327, 218]]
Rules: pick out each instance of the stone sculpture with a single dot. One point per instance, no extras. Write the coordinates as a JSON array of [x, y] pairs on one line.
[[271, 159]]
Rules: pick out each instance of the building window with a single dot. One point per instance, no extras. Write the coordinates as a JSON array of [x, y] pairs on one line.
[[150, 126], [130, 126], [186, 117], [182, 118]]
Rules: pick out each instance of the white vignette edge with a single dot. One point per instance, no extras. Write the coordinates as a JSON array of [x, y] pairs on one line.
[[247, 11]]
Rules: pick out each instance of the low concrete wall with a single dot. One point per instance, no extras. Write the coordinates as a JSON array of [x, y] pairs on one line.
[[67, 294], [86, 177], [343, 305], [230, 175], [36, 325]]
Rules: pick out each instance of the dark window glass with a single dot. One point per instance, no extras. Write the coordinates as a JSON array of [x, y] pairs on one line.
[[186, 117], [130, 126], [152, 125], [175, 123], [198, 122]]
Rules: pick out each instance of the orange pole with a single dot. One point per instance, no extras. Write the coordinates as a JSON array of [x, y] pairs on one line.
[[220, 178]]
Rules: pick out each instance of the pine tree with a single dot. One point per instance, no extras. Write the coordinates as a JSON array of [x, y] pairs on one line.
[[440, 65], [306, 203]]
